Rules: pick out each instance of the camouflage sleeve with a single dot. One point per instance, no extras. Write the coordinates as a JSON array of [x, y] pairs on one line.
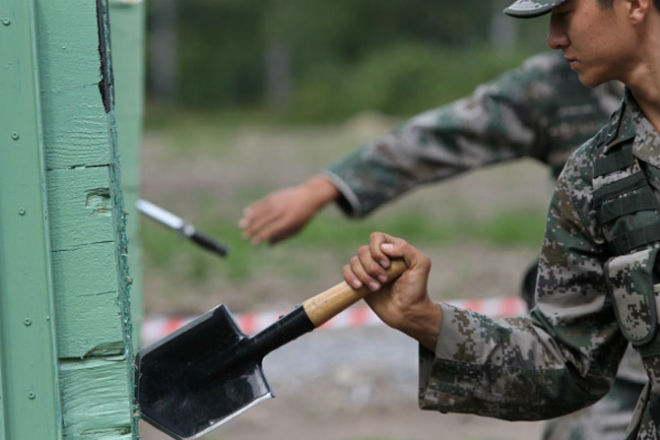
[[561, 358], [502, 120]]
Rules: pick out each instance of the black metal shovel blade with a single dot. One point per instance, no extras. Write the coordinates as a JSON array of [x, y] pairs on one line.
[[178, 396]]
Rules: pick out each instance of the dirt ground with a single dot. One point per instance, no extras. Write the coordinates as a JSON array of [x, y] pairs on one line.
[[352, 384], [349, 395], [401, 424]]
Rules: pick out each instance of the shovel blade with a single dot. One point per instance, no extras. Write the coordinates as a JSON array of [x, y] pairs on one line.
[[169, 391]]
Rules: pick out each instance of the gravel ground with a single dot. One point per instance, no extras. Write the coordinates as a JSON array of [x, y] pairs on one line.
[[350, 384]]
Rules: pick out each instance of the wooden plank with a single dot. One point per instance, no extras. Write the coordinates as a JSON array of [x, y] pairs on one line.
[[102, 381], [3, 432], [76, 130], [74, 138], [85, 280], [128, 57], [80, 206], [29, 382], [127, 22], [86, 220], [134, 263]]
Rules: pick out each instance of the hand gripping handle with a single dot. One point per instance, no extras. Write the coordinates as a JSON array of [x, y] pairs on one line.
[[327, 304]]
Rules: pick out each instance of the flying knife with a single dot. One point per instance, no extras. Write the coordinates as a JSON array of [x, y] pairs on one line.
[[181, 226]]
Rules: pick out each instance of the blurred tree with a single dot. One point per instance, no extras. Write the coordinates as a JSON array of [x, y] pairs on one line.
[[503, 29], [278, 69], [163, 49], [220, 62], [269, 53]]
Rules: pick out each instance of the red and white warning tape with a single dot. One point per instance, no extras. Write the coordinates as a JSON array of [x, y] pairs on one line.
[[359, 315]]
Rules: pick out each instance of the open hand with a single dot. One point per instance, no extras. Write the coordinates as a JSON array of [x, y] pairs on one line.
[[283, 213]]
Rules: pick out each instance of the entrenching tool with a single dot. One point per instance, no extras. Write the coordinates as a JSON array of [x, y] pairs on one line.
[[181, 226], [209, 371]]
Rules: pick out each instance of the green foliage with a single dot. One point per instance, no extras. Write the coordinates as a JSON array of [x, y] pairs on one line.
[[399, 80], [351, 29], [220, 53], [347, 56]]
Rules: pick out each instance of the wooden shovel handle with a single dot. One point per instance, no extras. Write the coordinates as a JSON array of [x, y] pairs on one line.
[[327, 304]]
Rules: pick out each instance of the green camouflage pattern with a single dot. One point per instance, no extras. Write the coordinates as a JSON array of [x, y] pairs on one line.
[[607, 419], [539, 110], [531, 8], [565, 355], [629, 277]]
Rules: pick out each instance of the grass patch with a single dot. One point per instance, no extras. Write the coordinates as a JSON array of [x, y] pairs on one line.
[[166, 250], [522, 228]]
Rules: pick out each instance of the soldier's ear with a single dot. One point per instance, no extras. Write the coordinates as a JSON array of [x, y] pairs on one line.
[[638, 10]]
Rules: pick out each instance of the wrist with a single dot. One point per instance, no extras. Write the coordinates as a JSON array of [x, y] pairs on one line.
[[321, 189], [423, 324]]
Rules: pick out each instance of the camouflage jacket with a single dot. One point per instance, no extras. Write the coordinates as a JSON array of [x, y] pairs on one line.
[[564, 356], [539, 110]]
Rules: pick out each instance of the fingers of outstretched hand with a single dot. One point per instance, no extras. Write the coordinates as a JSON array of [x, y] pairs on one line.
[[259, 220]]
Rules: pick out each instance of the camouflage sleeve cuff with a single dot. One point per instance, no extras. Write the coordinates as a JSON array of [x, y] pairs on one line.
[[428, 374], [347, 201], [449, 333], [501, 369]]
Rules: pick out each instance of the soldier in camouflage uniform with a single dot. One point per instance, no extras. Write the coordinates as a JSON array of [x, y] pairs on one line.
[[597, 288], [538, 110]]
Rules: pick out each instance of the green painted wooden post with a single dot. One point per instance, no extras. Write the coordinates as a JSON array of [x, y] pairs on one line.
[[29, 387], [66, 355], [127, 36]]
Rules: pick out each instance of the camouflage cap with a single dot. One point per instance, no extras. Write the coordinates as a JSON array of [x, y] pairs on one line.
[[531, 8]]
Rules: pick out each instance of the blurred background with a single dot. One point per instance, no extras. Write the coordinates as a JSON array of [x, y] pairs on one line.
[[245, 97]]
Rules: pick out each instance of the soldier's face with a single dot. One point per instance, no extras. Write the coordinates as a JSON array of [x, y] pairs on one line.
[[597, 41]]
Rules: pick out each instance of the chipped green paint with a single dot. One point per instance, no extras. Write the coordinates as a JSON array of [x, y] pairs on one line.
[[97, 380], [73, 222], [119, 215], [127, 36], [65, 323]]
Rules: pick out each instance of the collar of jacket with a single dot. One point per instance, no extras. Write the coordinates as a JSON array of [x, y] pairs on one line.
[[621, 127]]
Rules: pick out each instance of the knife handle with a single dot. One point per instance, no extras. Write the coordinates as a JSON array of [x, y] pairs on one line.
[[324, 306], [205, 241]]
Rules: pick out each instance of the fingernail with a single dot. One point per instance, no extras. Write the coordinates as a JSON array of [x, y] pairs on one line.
[[374, 285], [387, 246], [382, 278], [357, 284]]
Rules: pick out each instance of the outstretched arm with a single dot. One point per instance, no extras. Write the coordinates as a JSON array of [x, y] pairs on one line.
[[516, 115], [430, 147]]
